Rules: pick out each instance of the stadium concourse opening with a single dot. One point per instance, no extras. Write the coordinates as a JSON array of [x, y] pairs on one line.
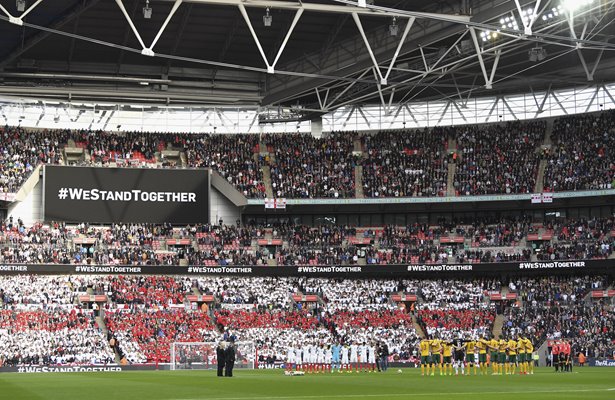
[[329, 199]]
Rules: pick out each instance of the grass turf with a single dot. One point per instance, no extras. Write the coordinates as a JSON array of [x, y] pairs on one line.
[[584, 383]]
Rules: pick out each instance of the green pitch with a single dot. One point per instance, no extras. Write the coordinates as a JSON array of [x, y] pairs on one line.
[[584, 383]]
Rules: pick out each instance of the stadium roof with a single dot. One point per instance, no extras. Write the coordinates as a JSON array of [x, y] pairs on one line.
[[86, 50]]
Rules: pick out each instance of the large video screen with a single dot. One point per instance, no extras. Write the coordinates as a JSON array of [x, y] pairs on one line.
[[106, 195]]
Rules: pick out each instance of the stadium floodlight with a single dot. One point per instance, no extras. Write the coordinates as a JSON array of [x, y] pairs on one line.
[[572, 5], [21, 5], [510, 22], [488, 35], [393, 28], [552, 13], [147, 10], [267, 18]]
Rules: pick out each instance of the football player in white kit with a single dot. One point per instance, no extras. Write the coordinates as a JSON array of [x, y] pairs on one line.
[[371, 359], [313, 357], [328, 358], [320, 358], [345, 360], [354, 356], [298, 361], [363, 356], [290, 358], [306, 357]]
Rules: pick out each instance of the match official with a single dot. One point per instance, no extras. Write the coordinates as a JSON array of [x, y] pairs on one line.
[[220, 356]]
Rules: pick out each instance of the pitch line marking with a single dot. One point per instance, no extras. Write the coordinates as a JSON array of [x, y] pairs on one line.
[[344, 396]]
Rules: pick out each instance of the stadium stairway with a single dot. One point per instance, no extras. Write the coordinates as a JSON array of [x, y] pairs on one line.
[[547, 141], [450, 187], [546, 144], [357, 146], [498, 323], [29, 184], [417, 327], [267, 181], [541, 351], [358, 179], [452, 168], [540, 176], [100, 322]]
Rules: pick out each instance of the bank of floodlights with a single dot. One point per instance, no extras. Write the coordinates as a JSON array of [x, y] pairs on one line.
[[488, 35]]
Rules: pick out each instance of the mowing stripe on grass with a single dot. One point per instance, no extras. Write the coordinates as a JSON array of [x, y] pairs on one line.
[[344, 396]]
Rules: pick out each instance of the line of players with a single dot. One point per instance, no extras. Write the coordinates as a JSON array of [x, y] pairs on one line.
[[317, 358], [504, 356], [562, 359]]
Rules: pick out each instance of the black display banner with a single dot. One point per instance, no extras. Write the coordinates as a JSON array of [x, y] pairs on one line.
[[54, 369], [345, 271], [106, 195]]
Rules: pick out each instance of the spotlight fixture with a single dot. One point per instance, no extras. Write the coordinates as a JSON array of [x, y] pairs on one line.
[[147, 10], [393, 28], [488, 35], [21, 5], [537, 54], [554, 12], [267, 18], [510, 22]]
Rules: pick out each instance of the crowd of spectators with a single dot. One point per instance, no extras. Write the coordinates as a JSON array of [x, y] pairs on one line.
[[582, 156], [305, 167], [498, 159], [270, 293], [235, 157], [484, 240], [51, 337], [146, 335], [405, 163], [40, 323], [556, 307], [490, 159], [21, 151], [454, 307]]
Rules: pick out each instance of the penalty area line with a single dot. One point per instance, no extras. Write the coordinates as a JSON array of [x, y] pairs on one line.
[[383, 395]]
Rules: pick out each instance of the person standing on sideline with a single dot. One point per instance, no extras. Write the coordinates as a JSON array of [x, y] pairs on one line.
[[384, 356], [229, 358], [220, 357]]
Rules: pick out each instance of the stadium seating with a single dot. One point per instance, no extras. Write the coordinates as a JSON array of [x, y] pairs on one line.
[[488, 240], [582, 156], [489, 159], [145, 335], [145, 315]]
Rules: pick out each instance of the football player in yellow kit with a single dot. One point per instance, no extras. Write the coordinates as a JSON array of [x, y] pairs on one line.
[[470, 346], [512, 356], [502, 345], [436, 358], [529, 352], [493, 355], [482, 345], [521, 355], [424, 347]]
